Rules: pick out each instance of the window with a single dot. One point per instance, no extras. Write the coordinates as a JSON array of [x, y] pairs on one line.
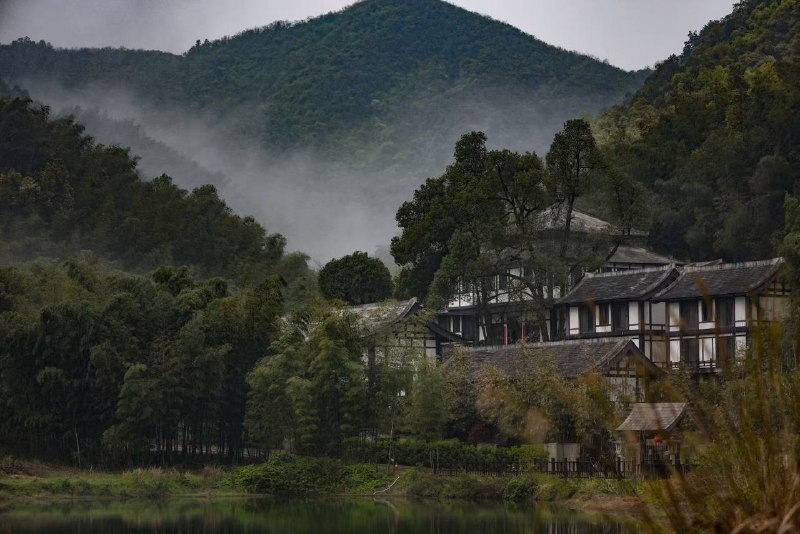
[[456, 324], [527, 272], [490, 283], [689, 315], [586, 319], [690, 351], [502, 282], [706, 310], [604, 314], [725, 313], [619, 316], [468, 328], [726, 349]]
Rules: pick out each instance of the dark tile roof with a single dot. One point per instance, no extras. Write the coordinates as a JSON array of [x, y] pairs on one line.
[[620, 285], [570, 359], [555, 218], [653, 416], [378, 315], [698, 281], [640, 255]]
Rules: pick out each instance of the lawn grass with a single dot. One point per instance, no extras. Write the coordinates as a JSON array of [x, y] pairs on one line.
[[32, 480]]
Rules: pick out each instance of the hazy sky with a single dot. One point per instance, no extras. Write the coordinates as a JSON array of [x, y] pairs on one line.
[[629, 33]]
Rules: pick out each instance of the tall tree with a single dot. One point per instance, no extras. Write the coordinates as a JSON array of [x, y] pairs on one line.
[[489, 218], [572, 158], [356, 279]]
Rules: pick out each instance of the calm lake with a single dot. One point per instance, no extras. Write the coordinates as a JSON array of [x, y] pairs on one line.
[[317, 516]]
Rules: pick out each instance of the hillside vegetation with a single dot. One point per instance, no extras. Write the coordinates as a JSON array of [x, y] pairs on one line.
[[94, 360], [369, 76], [62, 193], [714, 135]]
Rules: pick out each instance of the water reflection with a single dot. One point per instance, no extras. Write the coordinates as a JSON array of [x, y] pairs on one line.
[[268, 515]]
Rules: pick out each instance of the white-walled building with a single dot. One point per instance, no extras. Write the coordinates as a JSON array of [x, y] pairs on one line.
[[711, 310], [619, 304]]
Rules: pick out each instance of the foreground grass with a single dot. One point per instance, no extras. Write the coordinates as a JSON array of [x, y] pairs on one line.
[[287, 475], [32, 480]]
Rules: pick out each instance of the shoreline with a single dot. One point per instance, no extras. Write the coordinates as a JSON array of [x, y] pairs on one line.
[[51, 484]]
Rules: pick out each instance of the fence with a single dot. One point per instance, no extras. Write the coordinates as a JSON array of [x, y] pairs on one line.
[[584, 468], [452, 458]]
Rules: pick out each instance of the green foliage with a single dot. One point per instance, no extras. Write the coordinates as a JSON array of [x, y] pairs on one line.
[[41, 482], [713, 135], [290, 475], [522, 488], [356, 279], [427, 414], [61, 193], [365, 478], [106, 367], [471, 487], [538, 406], [542, 488], [313, 392], [489, 213], [449, 455], [747, 476]]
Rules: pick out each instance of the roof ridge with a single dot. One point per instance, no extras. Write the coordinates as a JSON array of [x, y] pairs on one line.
[[383, 304], [691, 268], [631, 271]]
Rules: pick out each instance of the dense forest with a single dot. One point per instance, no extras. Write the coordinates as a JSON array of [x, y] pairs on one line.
[[63, 192], [91, 354], [714, 133]]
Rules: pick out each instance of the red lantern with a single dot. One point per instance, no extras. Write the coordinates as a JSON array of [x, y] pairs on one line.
[[657, 438]]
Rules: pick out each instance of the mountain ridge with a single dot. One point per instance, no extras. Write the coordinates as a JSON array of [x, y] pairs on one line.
[[309, 80]]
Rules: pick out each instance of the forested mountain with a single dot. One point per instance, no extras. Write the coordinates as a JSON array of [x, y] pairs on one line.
[[340, 76], [344, 114], [714, 134]]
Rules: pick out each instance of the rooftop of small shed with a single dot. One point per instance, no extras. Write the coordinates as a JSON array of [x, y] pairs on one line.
[[653, 416]]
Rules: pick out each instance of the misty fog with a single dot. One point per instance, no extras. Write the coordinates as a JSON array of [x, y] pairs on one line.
[[295, 195], [324, 208]]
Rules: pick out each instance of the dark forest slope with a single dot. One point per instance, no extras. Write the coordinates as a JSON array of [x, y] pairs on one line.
[[715, 134], [62, 193]]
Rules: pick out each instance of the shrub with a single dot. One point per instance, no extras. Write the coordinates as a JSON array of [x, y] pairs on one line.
[[365, 478], [521, 488], [470, 487], [286, 474]]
